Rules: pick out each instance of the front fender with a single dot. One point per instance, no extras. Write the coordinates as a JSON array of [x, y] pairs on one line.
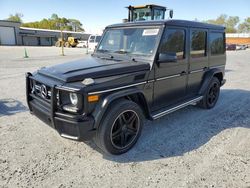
[[103, 105]]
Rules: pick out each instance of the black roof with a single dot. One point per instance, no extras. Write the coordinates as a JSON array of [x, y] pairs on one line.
[[170, 22]]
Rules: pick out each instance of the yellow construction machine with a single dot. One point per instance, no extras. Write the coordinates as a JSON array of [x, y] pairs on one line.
[[70, 42]]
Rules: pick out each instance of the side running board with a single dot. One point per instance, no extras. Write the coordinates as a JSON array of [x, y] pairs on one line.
[[168, 111]]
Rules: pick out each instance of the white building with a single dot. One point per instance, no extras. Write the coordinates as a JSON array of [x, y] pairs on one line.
[[12, 34]]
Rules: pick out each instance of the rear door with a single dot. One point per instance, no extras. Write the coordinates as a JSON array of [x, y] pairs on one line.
[[171, 77], [198, 59]]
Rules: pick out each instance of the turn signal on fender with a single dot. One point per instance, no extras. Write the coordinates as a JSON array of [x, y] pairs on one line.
[[93, 98]]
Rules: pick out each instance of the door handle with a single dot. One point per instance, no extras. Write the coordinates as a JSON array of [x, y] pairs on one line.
[[183, 73]]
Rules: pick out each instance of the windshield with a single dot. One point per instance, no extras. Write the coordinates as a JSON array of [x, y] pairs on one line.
[[140, 41], [142, 14]]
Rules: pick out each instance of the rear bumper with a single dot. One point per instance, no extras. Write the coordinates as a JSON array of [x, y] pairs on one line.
[[75, 127]]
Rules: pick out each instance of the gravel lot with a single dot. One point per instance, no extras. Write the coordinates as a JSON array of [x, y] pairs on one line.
[[188, 148]]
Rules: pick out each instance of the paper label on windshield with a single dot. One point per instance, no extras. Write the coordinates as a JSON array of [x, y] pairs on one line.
[[149, 32]]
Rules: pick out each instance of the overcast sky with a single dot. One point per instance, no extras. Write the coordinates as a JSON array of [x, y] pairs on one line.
[[96, 14]]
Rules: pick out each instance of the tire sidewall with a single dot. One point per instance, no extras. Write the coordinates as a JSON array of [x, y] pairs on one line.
[[213, 81], [108, 120]]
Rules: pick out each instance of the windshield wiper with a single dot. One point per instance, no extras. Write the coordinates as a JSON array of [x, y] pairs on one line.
[[121, 52], [103, 50]]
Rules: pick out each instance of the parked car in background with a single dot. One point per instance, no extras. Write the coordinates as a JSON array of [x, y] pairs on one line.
[[231, 47], [82, 44], [93, 41], [241, 47]]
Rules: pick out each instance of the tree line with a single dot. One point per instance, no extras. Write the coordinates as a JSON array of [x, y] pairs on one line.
[[232, 23], [54, 22]]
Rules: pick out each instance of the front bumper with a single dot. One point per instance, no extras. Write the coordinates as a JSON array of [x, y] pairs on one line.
[[76, 127]]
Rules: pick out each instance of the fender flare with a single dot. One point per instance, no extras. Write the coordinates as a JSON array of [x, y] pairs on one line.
[[207, 79], [103, 105]]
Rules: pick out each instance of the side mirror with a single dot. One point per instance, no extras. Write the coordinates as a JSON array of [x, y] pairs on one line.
[[167, 58], [171, 13]]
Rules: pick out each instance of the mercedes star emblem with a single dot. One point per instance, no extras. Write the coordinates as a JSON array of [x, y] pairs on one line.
[[44, 91]]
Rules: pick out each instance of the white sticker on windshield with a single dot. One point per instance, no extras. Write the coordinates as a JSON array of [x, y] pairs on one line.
[[111, 42], [148, 32]]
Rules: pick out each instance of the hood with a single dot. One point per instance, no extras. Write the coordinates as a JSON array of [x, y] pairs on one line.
[[91, 67]]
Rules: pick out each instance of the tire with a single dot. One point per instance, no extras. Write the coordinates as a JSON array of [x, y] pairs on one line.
[[120, 127], [67, 45], [211, 95]]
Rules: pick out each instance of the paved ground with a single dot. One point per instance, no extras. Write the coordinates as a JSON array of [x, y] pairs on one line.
[[188, 148]]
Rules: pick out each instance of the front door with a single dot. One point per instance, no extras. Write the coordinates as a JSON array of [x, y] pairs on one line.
[[171, 76]]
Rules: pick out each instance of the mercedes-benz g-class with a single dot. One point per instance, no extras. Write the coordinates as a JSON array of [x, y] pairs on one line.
[[138, 70]]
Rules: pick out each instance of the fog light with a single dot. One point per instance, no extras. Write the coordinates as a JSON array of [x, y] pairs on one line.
[[73, 98], [69, 108]]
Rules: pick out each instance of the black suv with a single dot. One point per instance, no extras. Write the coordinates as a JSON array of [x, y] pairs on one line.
[[138, 70]]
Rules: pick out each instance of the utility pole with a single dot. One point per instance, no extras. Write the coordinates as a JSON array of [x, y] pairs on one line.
[[62, 39], [62, 45]]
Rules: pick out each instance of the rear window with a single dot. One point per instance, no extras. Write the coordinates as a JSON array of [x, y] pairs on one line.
[[198, 43], [217, 45]]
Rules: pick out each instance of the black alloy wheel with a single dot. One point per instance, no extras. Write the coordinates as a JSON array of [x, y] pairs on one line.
[[125, 129], [120, 127], [211, 95]]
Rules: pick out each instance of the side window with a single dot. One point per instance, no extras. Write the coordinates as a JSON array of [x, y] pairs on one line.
[[198, 43], [173, 43], [92, 39], [217, 46], [158, 14]]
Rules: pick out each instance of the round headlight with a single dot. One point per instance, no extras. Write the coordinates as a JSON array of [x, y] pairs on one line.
[[73, 98]]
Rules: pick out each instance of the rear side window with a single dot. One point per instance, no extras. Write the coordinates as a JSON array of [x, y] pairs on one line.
[[217, 46], [198, 43], [173, 43]]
